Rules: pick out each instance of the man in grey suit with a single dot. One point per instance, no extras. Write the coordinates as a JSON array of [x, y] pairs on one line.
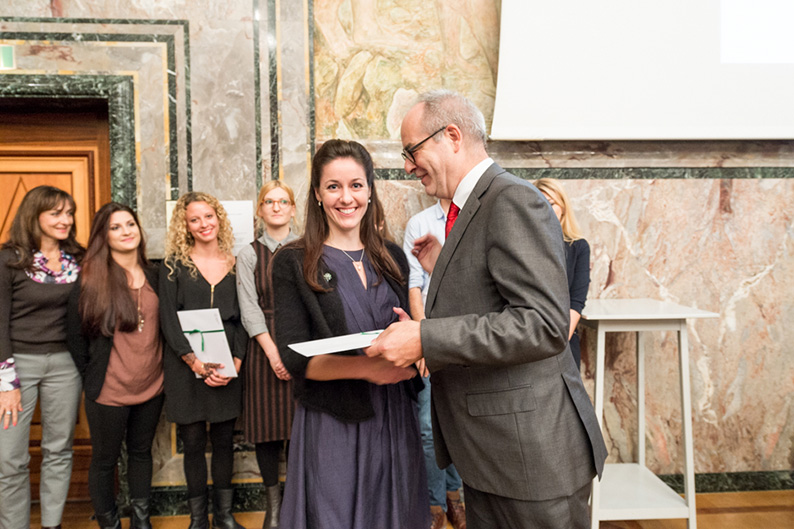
[[508, 405]]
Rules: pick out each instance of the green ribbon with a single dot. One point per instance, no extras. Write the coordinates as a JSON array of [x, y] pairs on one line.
[[202, 333]]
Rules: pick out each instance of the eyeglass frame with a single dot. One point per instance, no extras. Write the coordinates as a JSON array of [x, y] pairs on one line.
[[408, 153], [283, 202]]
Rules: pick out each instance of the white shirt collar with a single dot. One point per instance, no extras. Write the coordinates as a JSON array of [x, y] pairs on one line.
[[439, 211], [272, 244], [466, 186]]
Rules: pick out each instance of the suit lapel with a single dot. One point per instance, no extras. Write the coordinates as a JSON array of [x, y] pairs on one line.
[[464, 218]]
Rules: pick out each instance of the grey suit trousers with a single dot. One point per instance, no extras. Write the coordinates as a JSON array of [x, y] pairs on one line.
[[489, 511]]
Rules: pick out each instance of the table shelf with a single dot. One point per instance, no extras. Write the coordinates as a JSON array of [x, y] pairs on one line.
[[629, 491]]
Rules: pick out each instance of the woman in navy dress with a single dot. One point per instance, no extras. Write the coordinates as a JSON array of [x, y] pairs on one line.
[[356, 458], [577, 256]]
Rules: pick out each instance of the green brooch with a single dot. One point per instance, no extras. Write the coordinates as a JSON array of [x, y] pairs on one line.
[[327, 277]]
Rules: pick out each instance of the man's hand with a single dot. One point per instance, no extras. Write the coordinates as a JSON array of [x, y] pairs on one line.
[[400, 344], [426, 250]]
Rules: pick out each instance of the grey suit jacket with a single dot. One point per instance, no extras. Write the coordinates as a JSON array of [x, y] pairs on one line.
[[508, 404]]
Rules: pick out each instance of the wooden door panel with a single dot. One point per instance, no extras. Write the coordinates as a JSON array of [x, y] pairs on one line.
[[74, 174]]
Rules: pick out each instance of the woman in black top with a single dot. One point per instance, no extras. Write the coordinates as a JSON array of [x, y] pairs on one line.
[[114, 338], [577, 256], [38, 267], [198, 273], [355, 457]]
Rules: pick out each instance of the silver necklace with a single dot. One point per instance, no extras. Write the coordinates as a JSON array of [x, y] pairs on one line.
[[358, 265]]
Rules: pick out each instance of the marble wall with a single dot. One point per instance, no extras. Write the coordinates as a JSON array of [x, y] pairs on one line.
[[227, 94]]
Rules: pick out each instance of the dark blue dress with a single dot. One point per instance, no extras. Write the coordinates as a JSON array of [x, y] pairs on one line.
[[577, 257], [358, 475]]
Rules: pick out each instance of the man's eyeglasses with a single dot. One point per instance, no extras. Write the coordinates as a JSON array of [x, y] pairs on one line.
[[283, 202], [408, 152]]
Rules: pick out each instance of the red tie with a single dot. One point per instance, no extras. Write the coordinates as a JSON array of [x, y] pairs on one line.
[[452, 216]]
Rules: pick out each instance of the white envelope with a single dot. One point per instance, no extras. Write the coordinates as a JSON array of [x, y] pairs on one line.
[[335, 344], [203, 328]]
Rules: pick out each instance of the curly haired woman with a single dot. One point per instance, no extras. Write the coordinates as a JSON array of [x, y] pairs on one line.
[[197, 273]]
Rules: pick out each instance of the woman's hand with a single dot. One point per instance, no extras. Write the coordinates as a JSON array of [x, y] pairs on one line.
[[10, 406], [273, 357], [380, 371], [215, 379]]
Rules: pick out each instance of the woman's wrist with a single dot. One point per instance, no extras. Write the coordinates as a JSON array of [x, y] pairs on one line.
[[9, 380], [190, 359]]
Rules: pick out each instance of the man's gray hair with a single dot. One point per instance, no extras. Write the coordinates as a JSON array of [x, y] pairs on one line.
[[445, 107]]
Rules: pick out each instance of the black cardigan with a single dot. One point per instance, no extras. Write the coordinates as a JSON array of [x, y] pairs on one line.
[[91, 354], [301, 314]]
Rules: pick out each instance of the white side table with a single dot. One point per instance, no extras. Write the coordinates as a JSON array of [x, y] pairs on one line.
[[629, 491]]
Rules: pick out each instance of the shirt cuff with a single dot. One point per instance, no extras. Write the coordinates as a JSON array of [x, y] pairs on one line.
[[8, 376]]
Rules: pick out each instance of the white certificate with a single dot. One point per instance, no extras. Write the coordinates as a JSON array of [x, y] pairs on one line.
[[204, 330], [335, 344]]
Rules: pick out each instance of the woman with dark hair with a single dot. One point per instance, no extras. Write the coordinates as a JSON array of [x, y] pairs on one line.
[[38, 267], [114, 337], [355, 457], [267, 389], [198, 273]]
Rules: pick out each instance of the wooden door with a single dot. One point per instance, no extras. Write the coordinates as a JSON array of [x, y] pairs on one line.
[[71, 171], [68, 150]]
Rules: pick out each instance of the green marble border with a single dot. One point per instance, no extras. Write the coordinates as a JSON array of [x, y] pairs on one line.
[[652, 173], [172, 77], [272, 54], [633, 173], [118, 90], [134, 21], [257, 97], [169, 41], [312, 107], [734, 481], [170, 501]]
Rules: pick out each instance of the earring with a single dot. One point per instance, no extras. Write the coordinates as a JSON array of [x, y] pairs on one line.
[[320, 203], [369, 201]]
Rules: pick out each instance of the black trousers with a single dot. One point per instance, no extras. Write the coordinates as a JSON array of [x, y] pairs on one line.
[[109, 426], [267, 456], [194, 440]]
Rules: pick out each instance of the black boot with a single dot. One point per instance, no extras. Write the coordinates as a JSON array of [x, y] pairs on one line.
[[273, 507], [109, 520], [139, 516], [222, 510], [198, 512]]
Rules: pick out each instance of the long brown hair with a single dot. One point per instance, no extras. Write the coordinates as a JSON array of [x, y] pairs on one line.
[[317, 224], [106, 302], [25, 234]]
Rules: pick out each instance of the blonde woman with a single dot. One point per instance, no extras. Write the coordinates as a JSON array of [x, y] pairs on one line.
[[198, 273], [577, 256], [268, 407]]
